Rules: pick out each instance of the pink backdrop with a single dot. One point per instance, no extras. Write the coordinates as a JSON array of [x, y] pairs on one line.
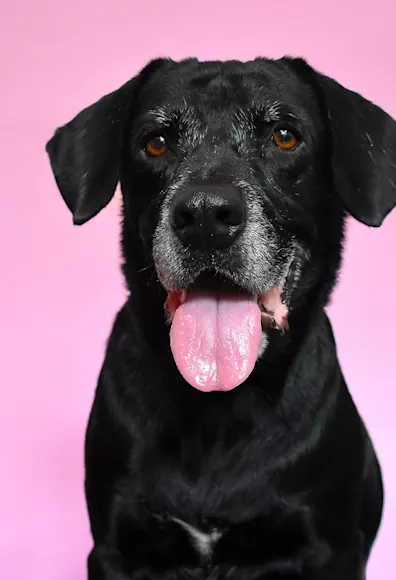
[[60, 287]]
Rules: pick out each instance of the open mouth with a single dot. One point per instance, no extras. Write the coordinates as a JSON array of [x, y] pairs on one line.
[[217, 330]]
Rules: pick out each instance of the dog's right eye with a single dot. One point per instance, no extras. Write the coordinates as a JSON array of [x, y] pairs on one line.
[[156, 146]]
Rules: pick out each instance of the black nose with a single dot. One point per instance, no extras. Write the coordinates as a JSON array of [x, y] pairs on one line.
[[208, 217]]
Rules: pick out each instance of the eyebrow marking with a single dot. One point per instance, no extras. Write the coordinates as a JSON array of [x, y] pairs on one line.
[[272, 111], [268, 110], [160, 115], [184, 119]]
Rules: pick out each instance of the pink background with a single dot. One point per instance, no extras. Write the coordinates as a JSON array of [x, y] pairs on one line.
[[61, 287]]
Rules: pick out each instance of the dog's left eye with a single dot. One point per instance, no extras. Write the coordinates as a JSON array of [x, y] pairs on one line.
[[156, 146], [285, 139]]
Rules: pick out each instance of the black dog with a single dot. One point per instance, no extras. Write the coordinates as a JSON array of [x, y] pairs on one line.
[[236, 181]]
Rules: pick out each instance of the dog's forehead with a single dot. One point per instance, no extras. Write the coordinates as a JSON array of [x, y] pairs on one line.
[[226, 86]]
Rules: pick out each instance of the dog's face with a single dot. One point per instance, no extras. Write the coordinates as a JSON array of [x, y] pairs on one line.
[[236, 176], [230, 156]]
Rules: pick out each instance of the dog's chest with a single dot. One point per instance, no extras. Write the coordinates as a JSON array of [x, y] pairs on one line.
[[250, 541], [202, 539], [202, 503], [207, 497]]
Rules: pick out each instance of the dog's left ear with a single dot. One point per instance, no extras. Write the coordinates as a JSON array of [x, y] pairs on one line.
[[363, 150], [85, 154]]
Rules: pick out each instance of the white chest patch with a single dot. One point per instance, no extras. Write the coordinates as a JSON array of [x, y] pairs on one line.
[[202, 542]]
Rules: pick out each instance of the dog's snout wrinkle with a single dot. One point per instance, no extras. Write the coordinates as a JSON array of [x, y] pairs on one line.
[[208, 217]]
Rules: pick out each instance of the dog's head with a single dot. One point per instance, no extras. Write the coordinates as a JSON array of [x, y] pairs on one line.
[[235, 178]]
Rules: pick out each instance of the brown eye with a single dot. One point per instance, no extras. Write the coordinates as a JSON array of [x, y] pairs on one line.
[[156, 146], [285, 139]]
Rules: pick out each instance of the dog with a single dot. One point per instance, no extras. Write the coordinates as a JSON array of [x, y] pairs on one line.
[[223, 442]]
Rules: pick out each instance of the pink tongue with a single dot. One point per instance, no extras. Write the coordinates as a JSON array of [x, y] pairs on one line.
[[215, 339]]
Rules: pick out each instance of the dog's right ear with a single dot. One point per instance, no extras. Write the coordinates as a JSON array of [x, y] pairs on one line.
[[85, 153]]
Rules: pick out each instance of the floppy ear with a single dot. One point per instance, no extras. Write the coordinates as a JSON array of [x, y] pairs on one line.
[[85, 154], [364, 155], [364, 151]]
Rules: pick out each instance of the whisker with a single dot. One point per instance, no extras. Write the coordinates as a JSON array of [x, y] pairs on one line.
[[145, 268]]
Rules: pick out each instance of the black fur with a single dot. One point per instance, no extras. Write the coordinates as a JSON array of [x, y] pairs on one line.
[[282, 467]]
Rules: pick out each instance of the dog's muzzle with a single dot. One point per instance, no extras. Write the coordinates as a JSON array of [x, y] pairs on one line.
[[233, 282]]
